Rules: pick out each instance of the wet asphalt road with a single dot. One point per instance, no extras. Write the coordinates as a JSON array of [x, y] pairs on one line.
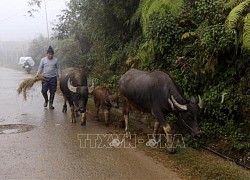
[[52, 149]]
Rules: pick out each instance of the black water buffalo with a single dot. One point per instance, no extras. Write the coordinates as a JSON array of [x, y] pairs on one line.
[[74, 86], [156, 93], [105, 98]]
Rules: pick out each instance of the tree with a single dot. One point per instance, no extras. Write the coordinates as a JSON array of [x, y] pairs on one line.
[[34, 4], [37, 48]]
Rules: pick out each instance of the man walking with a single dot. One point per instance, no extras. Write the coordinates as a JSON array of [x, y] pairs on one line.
[[50, 69]]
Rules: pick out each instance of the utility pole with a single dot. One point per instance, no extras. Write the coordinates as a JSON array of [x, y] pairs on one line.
[[46, 18]]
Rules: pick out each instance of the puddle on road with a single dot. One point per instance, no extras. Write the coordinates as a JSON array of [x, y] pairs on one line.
[[15, 128]]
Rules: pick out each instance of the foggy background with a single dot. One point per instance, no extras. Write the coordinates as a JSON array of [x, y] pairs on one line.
[[18, 29]]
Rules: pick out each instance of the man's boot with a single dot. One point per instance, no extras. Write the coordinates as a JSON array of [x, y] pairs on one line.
[[45, 96], [51, 99]]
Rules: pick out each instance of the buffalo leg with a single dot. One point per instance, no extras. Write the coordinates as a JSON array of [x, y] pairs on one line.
[[125, 112], [106, 116], [156, 128], [126, 109], [73, 112], [169, 136], [73, 115], [97, 107], [126, 117], [167, 129], [64, 109], [76, 113], [83, 123]]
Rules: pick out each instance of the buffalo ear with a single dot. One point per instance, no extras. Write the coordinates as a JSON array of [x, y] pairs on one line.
[[200, 104], [192, 100]]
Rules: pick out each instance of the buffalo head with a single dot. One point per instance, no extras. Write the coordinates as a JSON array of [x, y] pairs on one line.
[[79, 96], [114, 101], [188, 114]]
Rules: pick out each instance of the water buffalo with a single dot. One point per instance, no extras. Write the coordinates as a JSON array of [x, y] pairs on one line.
[[105, 98], [74, 86], [156, 93]]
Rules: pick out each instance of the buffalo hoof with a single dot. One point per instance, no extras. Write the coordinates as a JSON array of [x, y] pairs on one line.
[[170, 150], [83, 123], [64, 109], [122, 124]]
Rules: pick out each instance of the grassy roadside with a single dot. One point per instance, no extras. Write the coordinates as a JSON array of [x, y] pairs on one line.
[[205, 165], [187, 162], [192, 164]]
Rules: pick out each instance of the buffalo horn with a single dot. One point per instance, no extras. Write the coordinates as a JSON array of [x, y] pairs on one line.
[[179, 106], [71, 88], [171, 104], [200, 104]]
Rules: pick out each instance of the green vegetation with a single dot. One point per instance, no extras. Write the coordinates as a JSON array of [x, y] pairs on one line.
[[107, 37]]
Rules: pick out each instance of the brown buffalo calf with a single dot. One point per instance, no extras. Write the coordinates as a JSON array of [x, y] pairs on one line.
[[105, 98]]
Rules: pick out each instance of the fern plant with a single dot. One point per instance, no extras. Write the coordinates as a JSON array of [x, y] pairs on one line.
[[149, 14], [231, 4], [160, 7], [238, 18], [246, 33]]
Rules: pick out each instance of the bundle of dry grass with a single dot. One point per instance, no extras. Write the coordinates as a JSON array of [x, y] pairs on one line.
[[26, 84]]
